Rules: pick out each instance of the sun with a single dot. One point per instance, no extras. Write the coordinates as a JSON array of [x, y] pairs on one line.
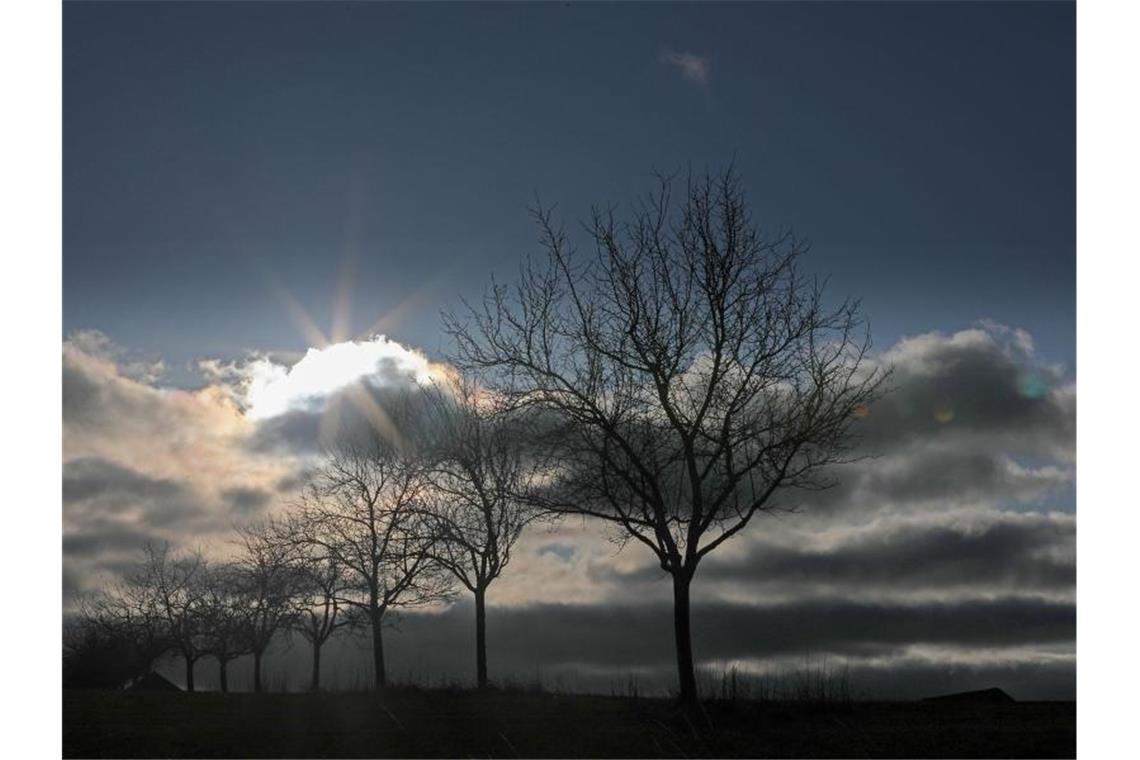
[[337, 367], [274, 389]]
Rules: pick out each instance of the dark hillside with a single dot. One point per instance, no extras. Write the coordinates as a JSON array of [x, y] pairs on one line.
[[415, 723]]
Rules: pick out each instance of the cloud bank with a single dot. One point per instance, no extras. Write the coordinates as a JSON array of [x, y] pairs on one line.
[[949, 552]]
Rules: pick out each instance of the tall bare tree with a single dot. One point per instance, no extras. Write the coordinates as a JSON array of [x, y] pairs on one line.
[[175, 585], [361, 511], [267, 578], [699, 378], [478, 503]]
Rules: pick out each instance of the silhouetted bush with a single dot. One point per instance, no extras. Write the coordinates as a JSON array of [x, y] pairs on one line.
[[101, 657]]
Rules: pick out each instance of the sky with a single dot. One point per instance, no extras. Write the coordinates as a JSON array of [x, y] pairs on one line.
[[242, 181]]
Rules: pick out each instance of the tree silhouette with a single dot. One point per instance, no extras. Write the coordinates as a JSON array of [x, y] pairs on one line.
[[267, 579], [693, 374], [224, 631], [117, 635], [174, 583], [478, 502], [321, 584], [361, 511]]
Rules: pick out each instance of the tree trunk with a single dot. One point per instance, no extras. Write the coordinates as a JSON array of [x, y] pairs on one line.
[[683, 638], [316, 682], [257, 672], [378, 650], [481, 637], [222, 675], [189, 673]]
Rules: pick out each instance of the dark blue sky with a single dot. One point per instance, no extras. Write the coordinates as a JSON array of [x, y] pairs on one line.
[[926, 150]]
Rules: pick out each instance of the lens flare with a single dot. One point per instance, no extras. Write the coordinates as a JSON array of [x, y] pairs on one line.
[[1031, 384], [943, 411]]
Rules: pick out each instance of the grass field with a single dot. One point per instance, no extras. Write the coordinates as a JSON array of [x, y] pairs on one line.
[[420, 723]]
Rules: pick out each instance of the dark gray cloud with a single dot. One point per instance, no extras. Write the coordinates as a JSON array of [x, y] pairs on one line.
[[109, 538], [290, 483], [613, 635], [345, 415], [1011, 552], [98, 395], [975, 382], [298, 430], [111, 512], [94, 489], [1006, 553], [247, 501], [971, 418], [82, 396], [91, 478], [929, 473], [617, 637], [593, 647], [71, 585]]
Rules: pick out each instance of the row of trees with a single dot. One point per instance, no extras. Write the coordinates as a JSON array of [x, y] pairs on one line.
[[676, 381], [384, 522], [184, 605]]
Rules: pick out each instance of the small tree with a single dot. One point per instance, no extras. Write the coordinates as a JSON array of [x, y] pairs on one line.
[[174, 583], [267, 580], [479, 501], [223, 615], [318, 610], [361, 511], [695, 374]]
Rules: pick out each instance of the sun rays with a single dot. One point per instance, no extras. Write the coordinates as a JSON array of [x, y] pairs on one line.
[[339, 372]]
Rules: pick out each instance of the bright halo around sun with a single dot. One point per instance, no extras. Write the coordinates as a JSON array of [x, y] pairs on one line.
[[274, 389]]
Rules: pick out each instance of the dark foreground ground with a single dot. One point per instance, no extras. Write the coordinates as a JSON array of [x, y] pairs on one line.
[[468, 724]]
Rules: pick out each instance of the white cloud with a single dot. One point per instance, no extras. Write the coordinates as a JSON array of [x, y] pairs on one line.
[[274, 389], [96, 344], [268, 388], [694, 68]]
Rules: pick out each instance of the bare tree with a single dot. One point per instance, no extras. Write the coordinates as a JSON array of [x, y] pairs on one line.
[[479, 504], [698, 377], [319, 612], [361, 511], [267, 579], [223, 629], [174, 584]]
